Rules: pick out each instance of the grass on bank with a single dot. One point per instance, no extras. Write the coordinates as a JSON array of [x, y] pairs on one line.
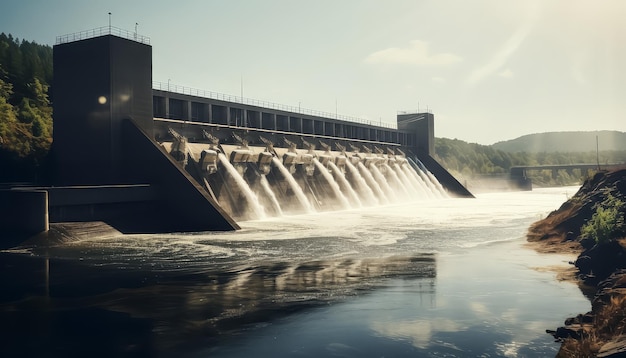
[[609, 322], [607, 222]]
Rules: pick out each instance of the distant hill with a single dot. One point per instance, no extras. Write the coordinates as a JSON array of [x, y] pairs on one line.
[[564, 142], [472, 163]]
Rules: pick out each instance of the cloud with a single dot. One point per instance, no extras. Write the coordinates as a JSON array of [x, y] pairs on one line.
[[500, 58], [506, 73], [418, 332], [480, 309], [416, 53], [438, 80]]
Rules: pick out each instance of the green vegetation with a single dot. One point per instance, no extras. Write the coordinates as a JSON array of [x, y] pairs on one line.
[[565, 142], [25, 109], [468, 161], [607, 222]]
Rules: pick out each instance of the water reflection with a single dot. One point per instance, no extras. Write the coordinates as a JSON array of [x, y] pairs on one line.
[[353, 283], [418, 332], [102, 309], [485, 302]]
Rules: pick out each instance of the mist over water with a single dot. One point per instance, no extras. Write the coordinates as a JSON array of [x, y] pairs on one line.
[[435, 277]]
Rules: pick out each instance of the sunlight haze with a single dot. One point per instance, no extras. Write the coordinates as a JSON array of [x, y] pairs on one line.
[[488, 70]]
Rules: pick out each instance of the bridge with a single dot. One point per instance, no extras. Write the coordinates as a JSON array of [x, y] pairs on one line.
[[520, 173]]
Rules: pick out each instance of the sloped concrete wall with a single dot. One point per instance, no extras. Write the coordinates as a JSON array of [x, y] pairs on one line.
[[445, 178], [181, 197]]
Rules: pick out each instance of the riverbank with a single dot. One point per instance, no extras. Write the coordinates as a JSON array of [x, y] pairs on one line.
[[591, 224]]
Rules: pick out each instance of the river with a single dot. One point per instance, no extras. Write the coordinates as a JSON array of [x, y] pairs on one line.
[[433, 278]]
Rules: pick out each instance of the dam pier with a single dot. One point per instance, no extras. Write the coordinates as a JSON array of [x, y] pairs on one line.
[[145, 157]]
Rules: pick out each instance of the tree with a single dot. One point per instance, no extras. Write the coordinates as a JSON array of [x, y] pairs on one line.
[[25, 108]]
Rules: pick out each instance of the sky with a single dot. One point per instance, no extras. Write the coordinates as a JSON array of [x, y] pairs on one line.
[[489, 70]]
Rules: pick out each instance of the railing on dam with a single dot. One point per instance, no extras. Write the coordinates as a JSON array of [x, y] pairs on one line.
[[416, 111], [101, 31], [170, 87]]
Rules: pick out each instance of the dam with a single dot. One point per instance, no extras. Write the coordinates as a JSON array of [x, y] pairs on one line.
[[144, 157], [256, 182]]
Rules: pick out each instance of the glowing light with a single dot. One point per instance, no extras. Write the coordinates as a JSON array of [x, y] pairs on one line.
[[102, 100]]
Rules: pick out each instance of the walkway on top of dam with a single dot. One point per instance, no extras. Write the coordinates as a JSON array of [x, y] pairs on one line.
[[174, 102]]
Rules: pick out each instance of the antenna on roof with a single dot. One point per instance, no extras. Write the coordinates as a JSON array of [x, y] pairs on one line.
[[109, 22]]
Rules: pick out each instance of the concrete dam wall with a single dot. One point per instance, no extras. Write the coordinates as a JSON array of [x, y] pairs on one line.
[[256, 178], [148, 160]]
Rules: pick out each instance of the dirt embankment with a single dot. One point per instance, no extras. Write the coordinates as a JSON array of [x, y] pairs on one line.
[[600, 267]]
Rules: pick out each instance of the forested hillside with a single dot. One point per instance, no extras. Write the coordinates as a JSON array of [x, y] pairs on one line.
[[468, 161], [25, 109], [565, 142]]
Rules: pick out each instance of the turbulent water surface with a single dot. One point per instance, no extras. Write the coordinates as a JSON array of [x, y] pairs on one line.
[[438, 277]]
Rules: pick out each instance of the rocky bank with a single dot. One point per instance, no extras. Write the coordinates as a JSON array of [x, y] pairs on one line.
[[600, 266]]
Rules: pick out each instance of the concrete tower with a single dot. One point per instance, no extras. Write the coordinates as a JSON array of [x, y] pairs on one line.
[[98, 83], [107, 165], [422, 125]]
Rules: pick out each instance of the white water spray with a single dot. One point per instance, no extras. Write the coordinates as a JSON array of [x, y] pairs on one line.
[[425, 187], [333, 184], [268, 191], [366, 192], [382, 181], [372, 183], [396, 181], [294, 185], [437, 184], [412, 177], [429, 183], [341, 178], [410, 188], [251, 198]]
